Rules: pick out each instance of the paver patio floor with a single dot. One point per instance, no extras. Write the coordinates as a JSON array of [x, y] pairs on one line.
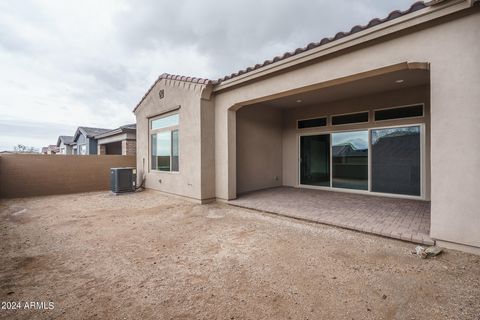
[[402, 219]]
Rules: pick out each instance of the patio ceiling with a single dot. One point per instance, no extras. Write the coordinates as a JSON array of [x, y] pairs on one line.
[[395, 80]]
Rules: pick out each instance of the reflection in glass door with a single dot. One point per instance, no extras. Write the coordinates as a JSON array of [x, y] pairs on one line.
[[350, 160], [315, 160], [396, 160]]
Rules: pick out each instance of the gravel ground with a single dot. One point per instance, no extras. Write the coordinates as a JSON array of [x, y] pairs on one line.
[[151, 256]]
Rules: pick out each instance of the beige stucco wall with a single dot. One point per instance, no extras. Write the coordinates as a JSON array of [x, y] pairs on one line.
[[452, 49], [207, 124], [259, 148], [186, 99], [415, 95]]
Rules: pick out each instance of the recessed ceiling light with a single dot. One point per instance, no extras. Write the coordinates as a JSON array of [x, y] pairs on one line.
[[298, 101], [399, 81]]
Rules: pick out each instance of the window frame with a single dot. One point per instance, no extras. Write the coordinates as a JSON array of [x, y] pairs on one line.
[[423, 163], [398, 107], [80, 149], [314, 118], [349, 113], [169, 129]]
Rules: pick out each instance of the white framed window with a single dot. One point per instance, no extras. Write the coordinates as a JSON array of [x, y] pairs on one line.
[[164, 145], [82, 149]]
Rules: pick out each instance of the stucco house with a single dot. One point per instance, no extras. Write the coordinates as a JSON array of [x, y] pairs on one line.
[[51, 149], [84, 141], [64, 144], [119, 141], [388, 109]]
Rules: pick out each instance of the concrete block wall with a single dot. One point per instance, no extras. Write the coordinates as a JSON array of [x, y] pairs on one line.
[[129, 147], [102, 149], [26, 175]]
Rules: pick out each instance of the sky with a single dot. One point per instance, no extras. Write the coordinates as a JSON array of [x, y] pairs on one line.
[[65, 64]]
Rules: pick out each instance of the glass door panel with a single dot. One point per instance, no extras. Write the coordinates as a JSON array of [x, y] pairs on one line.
[[350, 160], [396, 160], [315, 160]]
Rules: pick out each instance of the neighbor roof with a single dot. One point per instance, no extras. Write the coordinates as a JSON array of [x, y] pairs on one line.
[[65, 139], [126, 128], [89, 132], [53, 148], [132, 126]]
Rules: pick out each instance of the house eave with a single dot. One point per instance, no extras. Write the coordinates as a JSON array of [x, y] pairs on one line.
[[113, 132]]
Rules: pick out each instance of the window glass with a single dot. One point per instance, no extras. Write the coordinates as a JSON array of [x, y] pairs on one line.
[[399, 113], [350, 160], [396, 160], [165, 122], [164, 143], [315, 160], [83, 149], [175, 163], [350, 118], [312, 123], [161, 151]]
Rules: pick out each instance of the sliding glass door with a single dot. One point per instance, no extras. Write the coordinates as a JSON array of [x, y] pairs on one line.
[[382, 160], [396, 160], [350, 160], [315, 160]]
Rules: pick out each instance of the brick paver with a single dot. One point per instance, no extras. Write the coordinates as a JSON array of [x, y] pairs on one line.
[[402, 219]]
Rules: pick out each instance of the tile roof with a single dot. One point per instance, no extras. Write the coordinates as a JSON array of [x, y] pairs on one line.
[[358, 28], [168, 76], [374, 22]]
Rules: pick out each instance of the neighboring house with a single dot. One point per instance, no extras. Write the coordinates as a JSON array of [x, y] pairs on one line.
[[64, 143], [120, 141], [84, 142], [407, 86], [51, 149], [73, 147]]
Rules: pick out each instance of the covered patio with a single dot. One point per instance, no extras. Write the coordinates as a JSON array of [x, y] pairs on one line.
[[403, 219]]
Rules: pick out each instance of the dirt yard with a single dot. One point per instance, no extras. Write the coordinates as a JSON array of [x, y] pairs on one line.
[[150, 256]]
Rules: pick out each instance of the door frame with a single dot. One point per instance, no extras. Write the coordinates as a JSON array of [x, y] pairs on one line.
[[422, 195]]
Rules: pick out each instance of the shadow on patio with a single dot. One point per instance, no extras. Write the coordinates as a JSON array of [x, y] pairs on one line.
[[402, 219]]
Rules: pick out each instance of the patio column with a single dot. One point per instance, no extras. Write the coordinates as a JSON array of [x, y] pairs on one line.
[[455, 148]]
